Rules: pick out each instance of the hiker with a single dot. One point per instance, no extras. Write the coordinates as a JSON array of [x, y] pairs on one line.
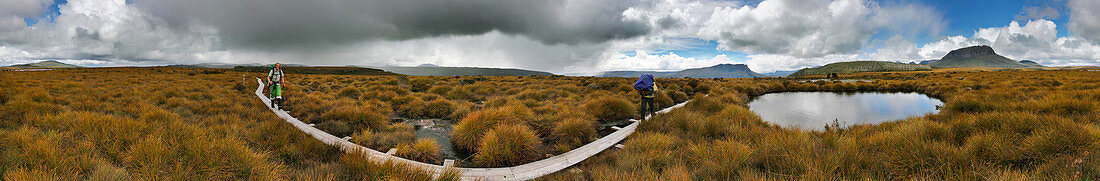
[[647, 88], [275, 79]]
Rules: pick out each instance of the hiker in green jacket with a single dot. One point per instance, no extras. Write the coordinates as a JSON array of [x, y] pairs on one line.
[[275, 79]]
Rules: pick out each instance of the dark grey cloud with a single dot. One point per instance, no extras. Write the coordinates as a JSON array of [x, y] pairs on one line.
[[325, 23]]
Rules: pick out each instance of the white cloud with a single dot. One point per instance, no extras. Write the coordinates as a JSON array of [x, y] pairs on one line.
[[1036, 40], [561, 36], [897, 48], [1085, 19], [643, 60], [802, 28], [772, 62]]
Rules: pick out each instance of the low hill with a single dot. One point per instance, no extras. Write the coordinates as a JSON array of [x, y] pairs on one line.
[[1032, 63], [45, 64], [433, 70], [780, 73], [317, 70], [978, 56], [717, 71], [633, 73], [860, 66]]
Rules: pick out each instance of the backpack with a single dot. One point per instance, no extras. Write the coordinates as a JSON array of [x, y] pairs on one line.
[[644, 83]]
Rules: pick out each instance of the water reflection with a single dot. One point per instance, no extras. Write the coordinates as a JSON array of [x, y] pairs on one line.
[[812, 110]]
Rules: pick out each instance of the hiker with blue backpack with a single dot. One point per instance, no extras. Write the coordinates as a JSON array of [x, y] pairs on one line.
[[647, 88]]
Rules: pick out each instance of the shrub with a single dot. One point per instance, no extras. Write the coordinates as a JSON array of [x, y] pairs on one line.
[[611, 108], [508, 145], [423, 150], [467, 134]]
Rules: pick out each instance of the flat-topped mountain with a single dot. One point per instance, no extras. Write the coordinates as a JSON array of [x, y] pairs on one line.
[[978, 56], [45, 64], [861, 66], [717, 71]]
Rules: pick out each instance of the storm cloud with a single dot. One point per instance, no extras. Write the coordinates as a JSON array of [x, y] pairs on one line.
[[326, 23]]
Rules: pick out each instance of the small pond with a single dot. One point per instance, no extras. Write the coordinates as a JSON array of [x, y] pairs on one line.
[[813, 110]]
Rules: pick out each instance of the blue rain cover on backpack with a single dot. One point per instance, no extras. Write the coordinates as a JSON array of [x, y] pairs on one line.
[[644, 83]]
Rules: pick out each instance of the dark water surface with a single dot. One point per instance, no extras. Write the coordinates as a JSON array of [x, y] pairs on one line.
[[812, 110]]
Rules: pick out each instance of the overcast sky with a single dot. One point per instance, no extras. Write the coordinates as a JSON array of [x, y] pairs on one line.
[[560, 36]]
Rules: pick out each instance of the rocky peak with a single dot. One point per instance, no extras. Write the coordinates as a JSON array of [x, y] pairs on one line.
[[970, 52]]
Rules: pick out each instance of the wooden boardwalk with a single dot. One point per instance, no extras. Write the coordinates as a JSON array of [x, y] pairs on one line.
[[520, 172]]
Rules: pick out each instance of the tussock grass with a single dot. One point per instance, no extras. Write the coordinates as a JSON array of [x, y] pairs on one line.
[[357, 117], [469, 132], [508, 145], [139, 124], [573, 132], [995, 126], [423, 150], [611, 108]]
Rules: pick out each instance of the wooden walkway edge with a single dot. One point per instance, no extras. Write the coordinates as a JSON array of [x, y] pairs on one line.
[[520, 172]]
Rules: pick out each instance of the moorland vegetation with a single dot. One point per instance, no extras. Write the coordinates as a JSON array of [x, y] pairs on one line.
[[161, 124], [202, 124], [498, 121], [997, 125]]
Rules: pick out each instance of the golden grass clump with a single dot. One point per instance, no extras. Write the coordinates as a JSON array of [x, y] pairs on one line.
[[721, 158], [384, 139], [469, 131], [423, 150], [573, 132], [611, 108], [707, 104], [649, 151], [349, 92], [439, 108], [357, 116], [508, 145]]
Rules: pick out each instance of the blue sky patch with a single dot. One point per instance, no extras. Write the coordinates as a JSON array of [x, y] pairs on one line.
[[52, 12]]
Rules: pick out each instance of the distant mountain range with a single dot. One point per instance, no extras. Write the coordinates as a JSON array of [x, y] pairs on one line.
[[316, 70], [975, 56], [421, 70], [45, 64], [860, 66], [229, 66], [717, 71], [979, 56], [434, 70]]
